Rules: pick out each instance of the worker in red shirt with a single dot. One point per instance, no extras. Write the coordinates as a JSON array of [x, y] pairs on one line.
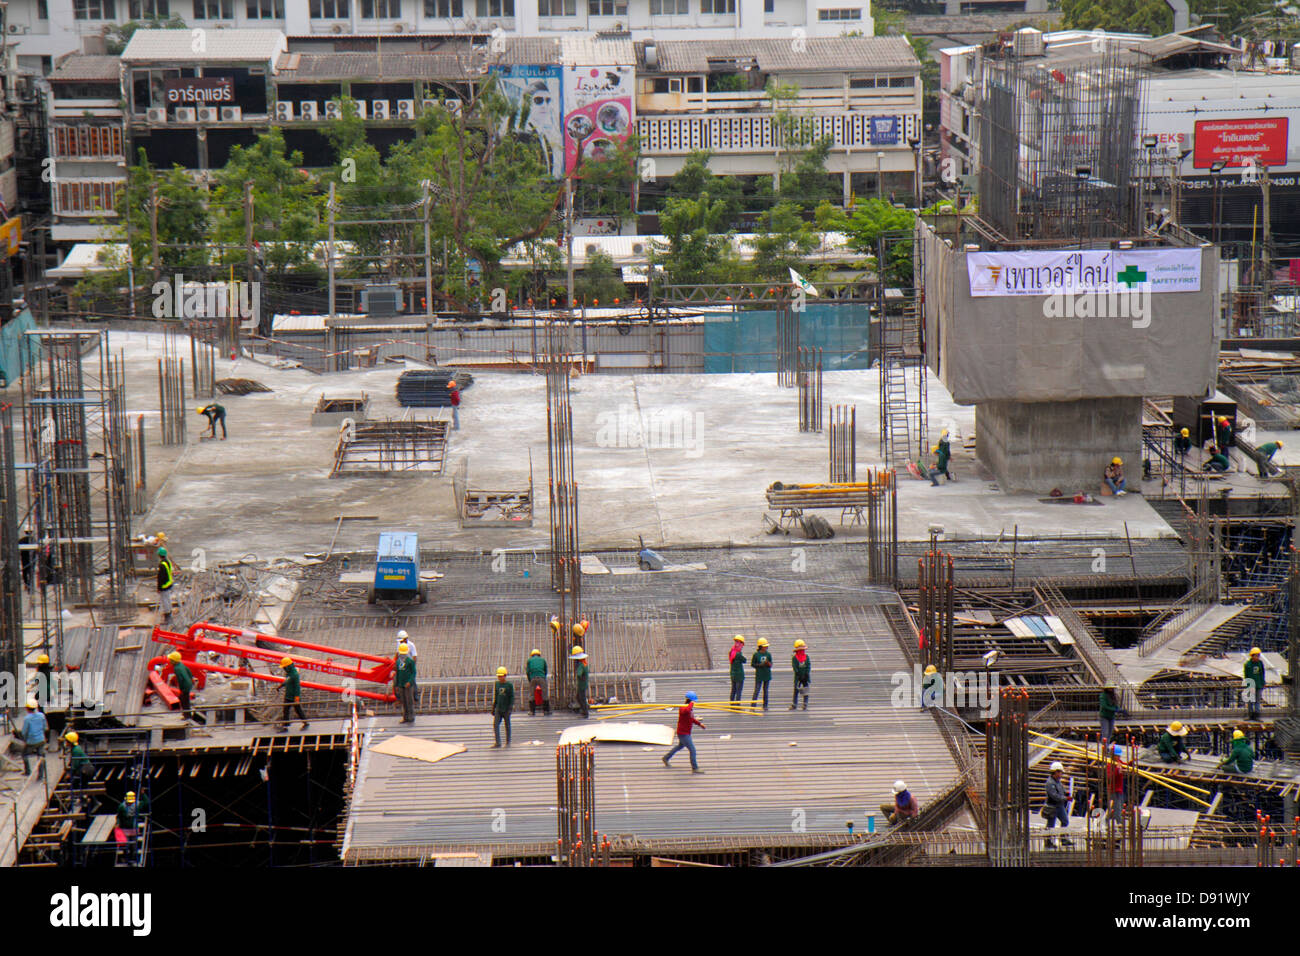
[[685, 720], [1115, 779], [453, 392]]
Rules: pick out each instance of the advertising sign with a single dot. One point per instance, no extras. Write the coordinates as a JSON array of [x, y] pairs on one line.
[[1240, 142], [884, 131], [199, 90], [1092, 270], [535, 98], [598, 114]]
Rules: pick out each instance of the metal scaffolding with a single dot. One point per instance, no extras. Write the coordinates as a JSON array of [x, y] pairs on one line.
[[11, 561], [903, 401]]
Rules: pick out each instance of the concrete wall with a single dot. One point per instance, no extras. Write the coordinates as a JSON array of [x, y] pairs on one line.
[[1037, 446]]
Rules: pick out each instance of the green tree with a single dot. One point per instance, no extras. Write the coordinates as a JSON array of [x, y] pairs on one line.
[[783, 244], [871, 220], [697, 251], [182, 220], [603, 187], [600, 284], [117, 36], [696, 180]]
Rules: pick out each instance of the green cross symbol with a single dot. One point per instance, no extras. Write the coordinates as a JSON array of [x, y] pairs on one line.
[[1131, 275]]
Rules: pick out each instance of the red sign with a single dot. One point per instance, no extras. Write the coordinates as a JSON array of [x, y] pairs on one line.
[[1240, 142]]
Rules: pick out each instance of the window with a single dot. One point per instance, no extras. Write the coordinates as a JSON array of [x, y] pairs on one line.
[[840, 13], [769, 6], [668, 8], [381, 9], [557, 8], [92, 142], [214, 10], [150, 9], [496, 8], [94, 9], [607, 8], [897, 81], [42, 10], [444, 8], [265, 9], [87, 197], [329, 9], [718, 6], [862, 83]]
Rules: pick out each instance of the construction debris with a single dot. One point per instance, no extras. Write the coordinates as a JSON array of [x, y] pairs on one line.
[[239, 386]]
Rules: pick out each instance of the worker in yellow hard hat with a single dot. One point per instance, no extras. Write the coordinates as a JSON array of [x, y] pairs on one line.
[[404, 682], [1252, 684], [1264, 457], [166, 582], [1171, 747], [503, 702], [185, 686], [736, 658], [292, 695], [580, 628], [44, 681], [536, 670], [129, 812], [1241, 758], [762, 664], [931, 687], [1182, 442], [1113, 476], [802, 665], [215, 413], [78, 763], [555, 624], [581, 676], [942, 452]]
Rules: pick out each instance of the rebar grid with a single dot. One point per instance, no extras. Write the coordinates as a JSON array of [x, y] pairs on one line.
[[578, 842], [810, 389], [1006, 761], [203, 358], [566, 558], [1115, 831], [843, 444], [935, 605], [171, 390], [787, 352]]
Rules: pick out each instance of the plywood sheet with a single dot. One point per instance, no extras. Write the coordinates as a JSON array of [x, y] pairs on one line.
[[430, 751], [624, 733]]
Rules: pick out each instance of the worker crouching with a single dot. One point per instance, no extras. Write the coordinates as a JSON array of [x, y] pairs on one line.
[[903, 808]]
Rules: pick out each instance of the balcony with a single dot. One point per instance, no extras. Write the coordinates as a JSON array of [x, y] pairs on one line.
[[813, 101], [734, 134]]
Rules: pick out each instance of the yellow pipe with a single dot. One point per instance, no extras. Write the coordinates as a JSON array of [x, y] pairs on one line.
[[1078, 748], [1179, 787]]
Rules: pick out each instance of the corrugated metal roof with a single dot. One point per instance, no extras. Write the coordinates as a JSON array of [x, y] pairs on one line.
[[84, 67], [588, 50], [222, 45], [635, 250], [85, 259], [455, 59], [779, 55], [1173, 44]]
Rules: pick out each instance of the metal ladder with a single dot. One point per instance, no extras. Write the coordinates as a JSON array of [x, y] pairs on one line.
[[902, 407]]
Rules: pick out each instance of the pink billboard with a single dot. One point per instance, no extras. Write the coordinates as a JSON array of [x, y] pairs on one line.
[[598, 104]]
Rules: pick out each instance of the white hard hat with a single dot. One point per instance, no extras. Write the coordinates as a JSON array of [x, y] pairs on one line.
[[899, 786], [402, 635], [1057, 765]]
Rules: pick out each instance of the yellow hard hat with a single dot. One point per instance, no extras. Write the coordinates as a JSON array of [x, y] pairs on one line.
[[286, 661], [738, 639], [944, 433], [934, 449], [200, 410], [501, 672], [555, 625], [799, 644], [1279, 444], [534, 653], [577, 649], [43, 659], [1184, 432], [174, 656], [762, 642], [579, 629], [403, 648], [931, 669], [71, 737], [130, 796], [1177, 728], [31, 703], [1254, 651], [1117, 460], [1238, 735]]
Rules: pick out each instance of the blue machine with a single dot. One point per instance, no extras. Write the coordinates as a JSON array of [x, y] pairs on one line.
[[397, 570]]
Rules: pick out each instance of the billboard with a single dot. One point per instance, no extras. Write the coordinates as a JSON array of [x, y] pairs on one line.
[[597, 111], [536, 90], [1240, 142], [1092, 270], [884, 131], [198, 90]]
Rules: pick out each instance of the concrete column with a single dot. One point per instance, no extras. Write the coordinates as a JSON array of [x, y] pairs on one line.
[[1037, 446]]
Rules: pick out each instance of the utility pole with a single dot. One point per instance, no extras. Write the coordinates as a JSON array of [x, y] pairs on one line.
[[329, 252], [568, 238], [153, 227], [428, 253], [251, 264]]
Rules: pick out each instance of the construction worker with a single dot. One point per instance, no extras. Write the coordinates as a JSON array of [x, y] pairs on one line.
[[1171, 747], [581, 674], [1240, 759], [79, 764], [1115, 777], [214, 413], [129, 812], [685, 721], [1217, 461], [1057, 808], [453, 394], [503, 702], [44, 681], [1253, 673], [942, 453], [931, 687], [1182, 443], [1107, 707], [404, 638], [27, 556], [1225, 437], [185, 685], [1114, 476], [536, 671], [802, 665], [166, 581], [736, 656], [580, 630], [292, 695], [762, 664], [404, 682], [35, 732], [1264, 458], [904, 806]]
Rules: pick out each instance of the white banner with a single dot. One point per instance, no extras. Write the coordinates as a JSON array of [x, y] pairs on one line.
[[1073, 273]]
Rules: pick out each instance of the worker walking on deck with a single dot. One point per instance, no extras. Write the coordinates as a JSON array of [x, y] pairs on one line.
[[1171, 747], [581, 674], [185, 685], [942, 454], [685, 722], [166, 581], [1057, 807], [292, 695], [35, 733], [404, 682], [802, 665], [453, 395], [214, 413], [536, 671], [1241, 758], [762, 664], [1107, 708], [904, 806], [1253, 683], [503, 702], [78, 763], [1265, 457], [1225, 437], [736, 656]]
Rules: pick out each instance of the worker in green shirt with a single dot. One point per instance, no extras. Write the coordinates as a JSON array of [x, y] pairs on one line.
[[185, 685], [1240, 758], [802, 665], [942, 453], [1264, 457], [129, 812], [292, 695], [1171, 746], [582, 674], [404, 682], [737, 657], [1218, 461], [79, 764], [762, 664], [1107, 707], [503, 702], [536, 671], [1254, 673]]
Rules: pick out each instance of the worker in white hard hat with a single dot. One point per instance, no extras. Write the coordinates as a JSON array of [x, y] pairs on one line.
[[1057, 807], [904, 806], [404, 638], [404, 682], [1252, 683]]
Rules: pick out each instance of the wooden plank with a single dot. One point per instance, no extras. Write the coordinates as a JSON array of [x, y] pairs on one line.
[[430, 751]]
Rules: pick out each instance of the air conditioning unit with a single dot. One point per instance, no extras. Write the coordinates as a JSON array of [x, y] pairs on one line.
[[361, 109], [453, 106], [156, 114], [333, 110], [307, 109], [207, 114], [17, 28], [427, 105], [185, 114], [378, 300], [283, 111], [406, 109], [231, 114], [379, 109]]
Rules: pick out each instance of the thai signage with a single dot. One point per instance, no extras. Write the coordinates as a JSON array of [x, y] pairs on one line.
[[1089, 270], [199, 90], [1240, 142]]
